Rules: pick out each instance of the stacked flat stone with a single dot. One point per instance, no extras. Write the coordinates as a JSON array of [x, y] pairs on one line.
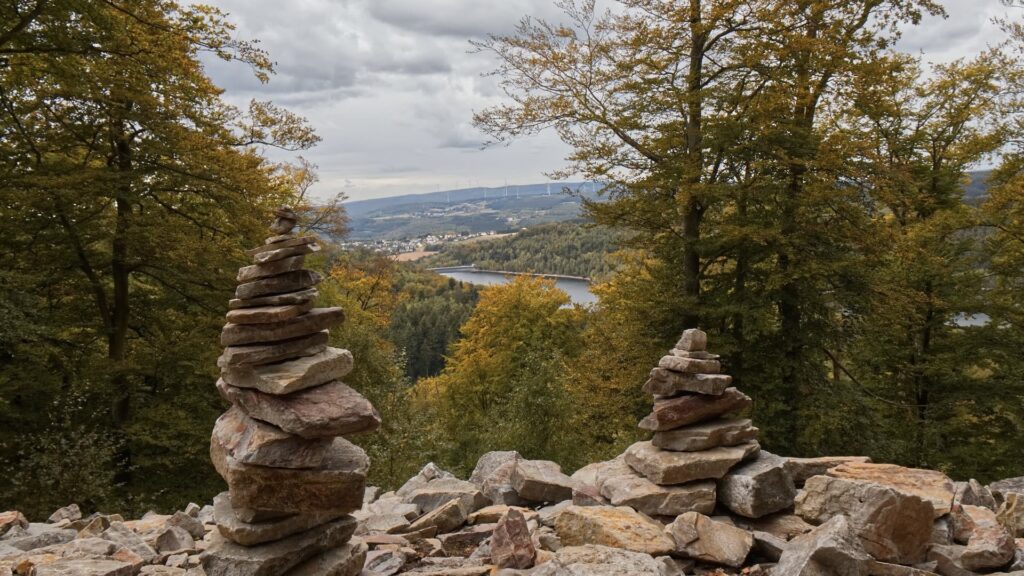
[[695, 438], [293, 479]]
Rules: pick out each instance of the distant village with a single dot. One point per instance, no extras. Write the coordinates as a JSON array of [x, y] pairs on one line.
[[409, 249]]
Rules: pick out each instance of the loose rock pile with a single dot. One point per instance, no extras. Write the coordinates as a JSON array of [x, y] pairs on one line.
[[519, 517], [293, 480]]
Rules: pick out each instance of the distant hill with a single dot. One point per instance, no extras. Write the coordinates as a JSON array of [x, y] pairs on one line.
[[465, 210]]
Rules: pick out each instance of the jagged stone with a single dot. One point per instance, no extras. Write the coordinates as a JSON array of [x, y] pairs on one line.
[[292, 375], [701, 538], [386, 523], [663, 382], [498, 486], [990, 547], [690, 365], [289, 299], [800, 469], [972, 493], [12, 519], [251, 441], [332, 409], [429, 472], [930, 485], [692, 409], [1001, 488], [893, 526], [257, 271], [225, 558], [122, 535], [706, 435], [294, 281], [618, 527], [282, 243], [692, 340], [511, 545], [592, 560], [175, 539], [584, 495], [437, 492], [71, 512], [664, 467], [315, 320], [274, 352], [965, 519], [254, 533], [489, 462], [758, 487], [446, 518], [465, 541], [336, 486], [768, 546], [623, 486], [1011, 513], [84, 567], [38, 535], [541, 481], [384, 562], [345, 560], [831, 549], [493, 513], [267, 314]]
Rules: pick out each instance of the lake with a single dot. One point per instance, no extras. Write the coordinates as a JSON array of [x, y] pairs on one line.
[[578, 290]]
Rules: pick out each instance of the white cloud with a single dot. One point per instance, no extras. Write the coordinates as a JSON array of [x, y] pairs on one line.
[[391, 85]]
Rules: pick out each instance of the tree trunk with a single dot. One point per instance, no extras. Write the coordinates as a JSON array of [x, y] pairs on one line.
[[692, 210]]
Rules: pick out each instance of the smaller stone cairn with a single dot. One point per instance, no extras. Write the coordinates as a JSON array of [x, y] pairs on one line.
[[293, 479], [695, 438]]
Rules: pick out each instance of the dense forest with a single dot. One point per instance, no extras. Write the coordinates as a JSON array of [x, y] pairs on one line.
[[777, 174], [572, 248]]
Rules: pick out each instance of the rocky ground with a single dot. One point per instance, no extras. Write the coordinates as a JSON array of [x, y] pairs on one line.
[[839, 516]]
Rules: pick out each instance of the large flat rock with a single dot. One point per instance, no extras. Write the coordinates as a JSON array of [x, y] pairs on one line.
[[591, 560], [301, 297], [690, 365], [800, 469], [275, 351], [617, 527], [664, 467], [664, 382], [329, 410], [541, 481], [244, 533], [706, 435], [622, 486], [268, 314], [251, 441], [225, 558], [930, 485], [336, 486], [692, 409], [84, 567], [294, 281], [313, 321], [256, 271], [292, 375]]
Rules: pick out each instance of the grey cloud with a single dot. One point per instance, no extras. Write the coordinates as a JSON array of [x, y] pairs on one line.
[[459, 18]]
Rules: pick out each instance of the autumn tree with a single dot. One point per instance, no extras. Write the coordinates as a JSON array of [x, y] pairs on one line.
[[129, 188]]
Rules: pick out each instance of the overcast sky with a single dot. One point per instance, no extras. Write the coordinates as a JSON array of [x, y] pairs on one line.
[[391, 85]]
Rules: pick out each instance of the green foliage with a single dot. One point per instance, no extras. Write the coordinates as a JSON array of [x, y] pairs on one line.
[[568, 248], [502, 388], [427, 319]]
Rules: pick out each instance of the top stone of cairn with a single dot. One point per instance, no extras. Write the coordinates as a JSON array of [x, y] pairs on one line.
[[284, 222], [693, 340]]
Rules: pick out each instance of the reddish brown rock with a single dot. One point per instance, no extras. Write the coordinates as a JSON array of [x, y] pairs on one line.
[[332, 409], [313, 321], [290, 298], [693, 408], [706, 435], [250, 441], [664, 382], [511, 545], [266, 314], [255, 272], [282, 283], [336, 486], [275, 351]]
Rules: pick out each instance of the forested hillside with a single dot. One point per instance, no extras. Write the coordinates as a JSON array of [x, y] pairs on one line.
[[573, 248]]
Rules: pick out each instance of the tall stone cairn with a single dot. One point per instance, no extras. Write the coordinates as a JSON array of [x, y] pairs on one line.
[[695, 438], [293, 479]]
